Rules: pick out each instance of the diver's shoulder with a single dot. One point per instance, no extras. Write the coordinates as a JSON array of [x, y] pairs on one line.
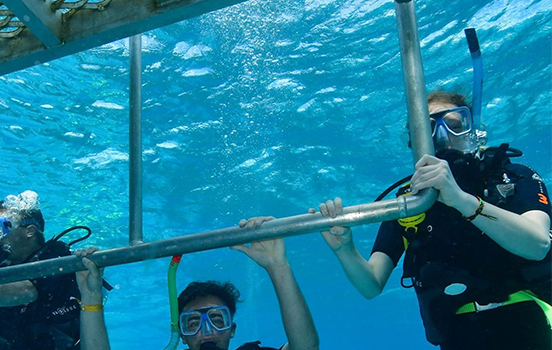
[[524, 170]]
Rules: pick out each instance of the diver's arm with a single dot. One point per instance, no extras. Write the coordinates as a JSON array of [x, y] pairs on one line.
[[93, 333], [369, 277], [525, 235], [296, 317], [17, 293]]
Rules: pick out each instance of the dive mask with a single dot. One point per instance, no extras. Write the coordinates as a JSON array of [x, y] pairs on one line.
[[206, 319], [457, 121], [6, 226], [453, 129]]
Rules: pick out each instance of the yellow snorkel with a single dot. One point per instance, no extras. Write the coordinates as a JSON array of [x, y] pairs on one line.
[[173, 302]]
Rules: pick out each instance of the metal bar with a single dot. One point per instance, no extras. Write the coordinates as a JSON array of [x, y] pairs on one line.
[[416, 96], [41, 21], [294, 225], [135, 141], [413, 73]]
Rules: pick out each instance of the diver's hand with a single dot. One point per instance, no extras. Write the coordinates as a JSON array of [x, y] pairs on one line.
[[434, 172], [338, 236], [268, 254], [90, 280]]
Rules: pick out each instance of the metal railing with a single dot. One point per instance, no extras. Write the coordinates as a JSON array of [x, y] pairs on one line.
[[135, 142], [392, 209]]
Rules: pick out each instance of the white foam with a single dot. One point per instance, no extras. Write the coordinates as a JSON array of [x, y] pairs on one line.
[[305, 106], [100, 160], [181, 48], [505, 14], [156, 65], [90, 66], [197, 72], [281, 43], [283, 83], [316, 4], [168, 144], [197, 51], [74, 134], [107, 105], [326, 90]]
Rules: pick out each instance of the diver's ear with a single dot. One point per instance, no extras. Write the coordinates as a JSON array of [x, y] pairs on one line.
[[233, 329], [30, 231]]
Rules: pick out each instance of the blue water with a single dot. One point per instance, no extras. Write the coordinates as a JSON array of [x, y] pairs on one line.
[[268, 107]]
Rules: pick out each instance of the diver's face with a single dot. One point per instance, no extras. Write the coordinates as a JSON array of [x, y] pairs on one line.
[[15, 243], [220, 339], [442, 138]]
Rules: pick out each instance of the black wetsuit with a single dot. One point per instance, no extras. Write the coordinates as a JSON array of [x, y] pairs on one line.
[[443, 248], [256, 345], [52, 321]]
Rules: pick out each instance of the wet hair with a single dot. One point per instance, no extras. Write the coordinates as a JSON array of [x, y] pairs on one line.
[[454, 98], [225, 291]]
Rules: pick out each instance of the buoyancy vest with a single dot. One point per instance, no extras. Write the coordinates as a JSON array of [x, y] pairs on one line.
[[450, 262]]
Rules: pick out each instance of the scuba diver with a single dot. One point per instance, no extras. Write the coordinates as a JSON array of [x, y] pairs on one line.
[[37, 314], [479, 258], [206, 309]]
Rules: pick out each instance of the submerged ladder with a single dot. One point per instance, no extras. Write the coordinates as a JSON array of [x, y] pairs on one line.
[[418, 122]]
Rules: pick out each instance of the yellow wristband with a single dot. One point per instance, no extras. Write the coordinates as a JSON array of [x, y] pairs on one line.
[[98, 307], [84, 307]]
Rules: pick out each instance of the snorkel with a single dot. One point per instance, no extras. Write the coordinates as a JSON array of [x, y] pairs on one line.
[[477, 63], [173, 301], [479, 136]]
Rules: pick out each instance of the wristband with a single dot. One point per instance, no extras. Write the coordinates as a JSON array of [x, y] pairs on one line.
[[85, 307], [479, 211]]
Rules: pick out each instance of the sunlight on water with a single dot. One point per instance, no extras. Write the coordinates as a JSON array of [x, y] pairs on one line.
[[263, 108]]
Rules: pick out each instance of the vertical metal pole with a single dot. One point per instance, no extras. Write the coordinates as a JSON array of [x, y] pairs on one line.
[[135, 141], [416, 96]]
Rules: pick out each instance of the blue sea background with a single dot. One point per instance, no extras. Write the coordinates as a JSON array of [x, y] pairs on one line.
[[263, 108]]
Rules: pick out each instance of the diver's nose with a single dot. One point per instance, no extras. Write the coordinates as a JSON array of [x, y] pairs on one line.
[[206, 328], [441, 139]]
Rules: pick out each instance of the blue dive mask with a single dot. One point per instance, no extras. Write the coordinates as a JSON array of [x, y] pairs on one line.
[[457, 121], [206, 319], [6, 226]]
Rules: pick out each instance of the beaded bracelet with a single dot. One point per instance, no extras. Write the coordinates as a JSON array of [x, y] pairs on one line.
[[479, 211]]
